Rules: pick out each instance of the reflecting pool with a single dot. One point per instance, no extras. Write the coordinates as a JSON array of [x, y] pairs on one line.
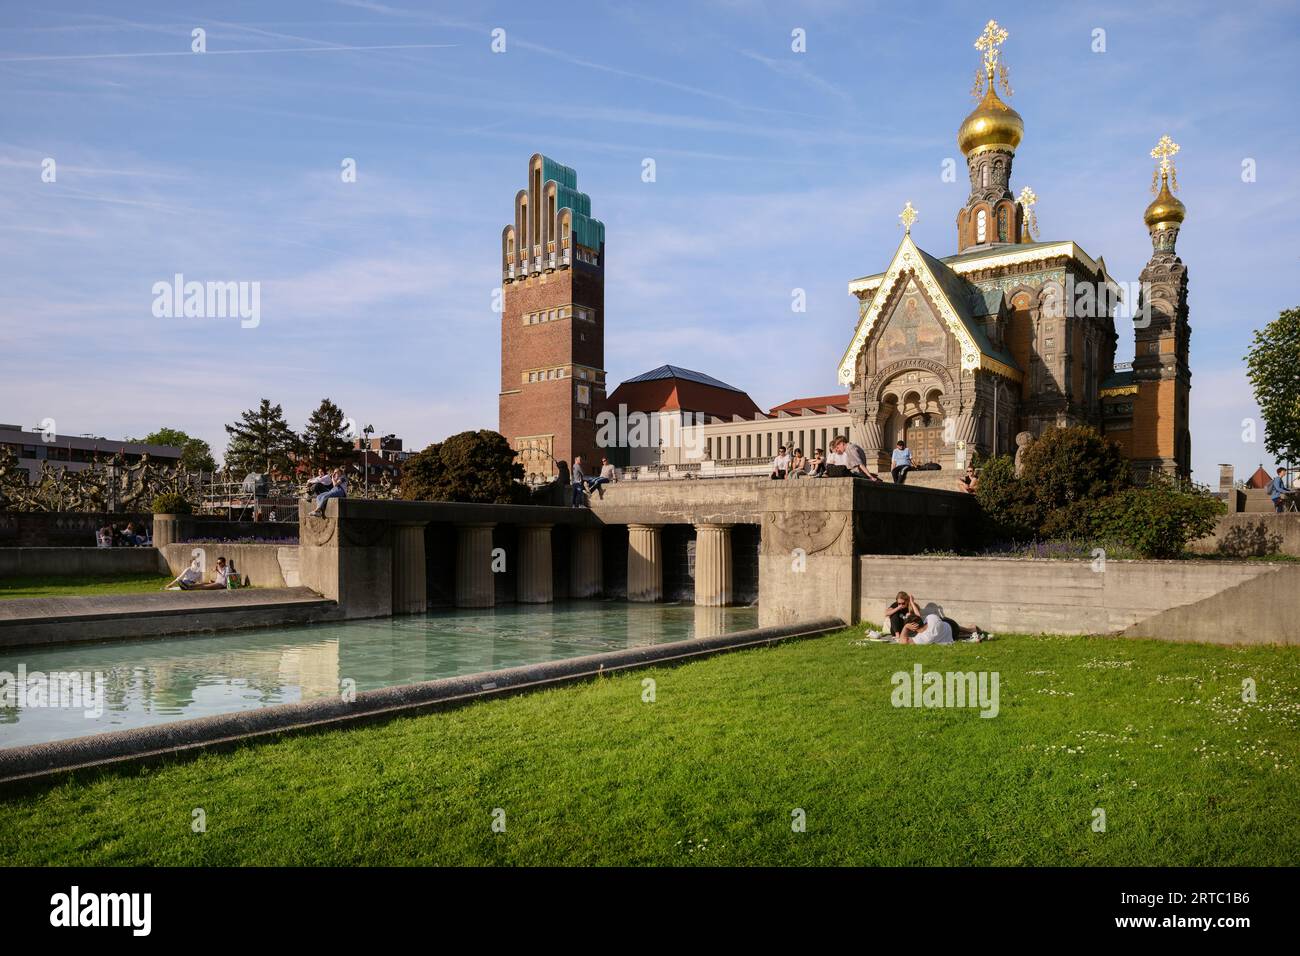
[[160, 680]]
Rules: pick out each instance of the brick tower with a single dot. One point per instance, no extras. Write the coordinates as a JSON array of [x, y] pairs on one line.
[[552, 322], [1161, 439]]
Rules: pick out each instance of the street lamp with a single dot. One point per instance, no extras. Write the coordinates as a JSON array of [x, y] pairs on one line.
[[365, 454]]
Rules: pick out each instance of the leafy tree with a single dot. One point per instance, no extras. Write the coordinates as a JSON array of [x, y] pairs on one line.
[[1273, 367], [261, 441], [196, 454], [171, 503], [325, 441], [470, 466]]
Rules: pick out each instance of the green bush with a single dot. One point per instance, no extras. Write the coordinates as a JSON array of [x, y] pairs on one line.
[[470, 466], [170, 503], [1158, 519], [1007, 511]]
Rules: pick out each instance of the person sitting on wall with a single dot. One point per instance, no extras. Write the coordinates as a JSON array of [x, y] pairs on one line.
[[780, 464], [605, 477], [1277, 491], [969, 482], [848, 459], [933, 628], [817, 467], [220, 574], [340, 490], [189, 578], [104, 537], [897, 613], [320, 484], [798, 465], [901, 461], [130, 537]]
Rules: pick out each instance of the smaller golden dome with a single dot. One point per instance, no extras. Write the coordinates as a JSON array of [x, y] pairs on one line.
[[1166, 209], [992, 123]]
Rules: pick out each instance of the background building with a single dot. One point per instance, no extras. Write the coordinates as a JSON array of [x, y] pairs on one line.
[[78, 452]]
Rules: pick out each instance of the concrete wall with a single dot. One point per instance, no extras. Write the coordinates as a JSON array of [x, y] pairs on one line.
[[60, 529], [93, 562], [1068, 597], [261, 565], [1241, 535]]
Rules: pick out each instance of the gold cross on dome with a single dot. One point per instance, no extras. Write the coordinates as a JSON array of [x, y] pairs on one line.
[[1027, 198], [908, 216], [1164, 152], [989, 41]]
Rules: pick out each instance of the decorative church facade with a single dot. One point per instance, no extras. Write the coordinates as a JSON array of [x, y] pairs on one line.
[[960, 354]]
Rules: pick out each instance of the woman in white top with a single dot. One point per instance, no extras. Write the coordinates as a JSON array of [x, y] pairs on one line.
[[187, 578]]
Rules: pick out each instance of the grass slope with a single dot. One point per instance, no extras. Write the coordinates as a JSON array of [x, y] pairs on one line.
[[1156, 734], [79, 585]]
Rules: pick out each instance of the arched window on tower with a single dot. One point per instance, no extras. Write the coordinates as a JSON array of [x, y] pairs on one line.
[[981, 223], [984, 175], [1002, 224]]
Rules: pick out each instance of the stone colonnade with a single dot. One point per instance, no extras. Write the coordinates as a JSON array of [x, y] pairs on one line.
[[475, 571]]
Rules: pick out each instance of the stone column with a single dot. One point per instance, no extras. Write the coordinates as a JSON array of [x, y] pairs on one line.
[[645, 562], [713, 565], [533, 576], [410, 595], [475, 583], [170, 529], [586, 577]]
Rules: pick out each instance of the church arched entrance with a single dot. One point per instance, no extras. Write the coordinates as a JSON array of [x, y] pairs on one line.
[[924, 435]]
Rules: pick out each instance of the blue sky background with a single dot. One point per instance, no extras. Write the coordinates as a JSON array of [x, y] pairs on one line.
[[775, 170]]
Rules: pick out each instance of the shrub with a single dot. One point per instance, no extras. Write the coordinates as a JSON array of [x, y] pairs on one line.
[[470, 466], [170, 503], [1067, 467], [1158, 519], [1008, 513]]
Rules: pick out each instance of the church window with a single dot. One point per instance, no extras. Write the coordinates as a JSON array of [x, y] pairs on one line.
[[984, 175], [981, 223], [1002, 224]]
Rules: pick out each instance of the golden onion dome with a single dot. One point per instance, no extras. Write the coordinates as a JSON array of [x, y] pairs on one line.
[[1166, 209], [992, 123]]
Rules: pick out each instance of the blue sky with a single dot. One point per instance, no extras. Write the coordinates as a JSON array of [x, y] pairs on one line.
[[775, 171]]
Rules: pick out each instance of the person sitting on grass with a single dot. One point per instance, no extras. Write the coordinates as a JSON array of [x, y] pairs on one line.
[[935, 629], [340, 490], [897, 613], [218, 582], [189, 578]]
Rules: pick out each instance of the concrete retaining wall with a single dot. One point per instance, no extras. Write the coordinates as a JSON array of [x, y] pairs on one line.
[[1242, 535], [60, 529], [263, 565], [92, 562], [1068, 597]]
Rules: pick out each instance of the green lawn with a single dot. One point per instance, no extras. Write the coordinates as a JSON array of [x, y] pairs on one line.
[[1155, 734], [80, 585]]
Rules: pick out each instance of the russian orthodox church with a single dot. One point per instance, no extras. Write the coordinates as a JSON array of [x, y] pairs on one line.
[[958, 354]]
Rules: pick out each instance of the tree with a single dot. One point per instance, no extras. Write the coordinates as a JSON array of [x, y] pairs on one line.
[[196, 454], [261, 441], [1273, 367], [325, 440], [471, 466]]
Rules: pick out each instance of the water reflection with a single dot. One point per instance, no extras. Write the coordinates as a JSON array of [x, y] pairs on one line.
[[155, 681]]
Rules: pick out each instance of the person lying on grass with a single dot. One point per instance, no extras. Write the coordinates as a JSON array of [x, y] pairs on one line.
[[935, 629]]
